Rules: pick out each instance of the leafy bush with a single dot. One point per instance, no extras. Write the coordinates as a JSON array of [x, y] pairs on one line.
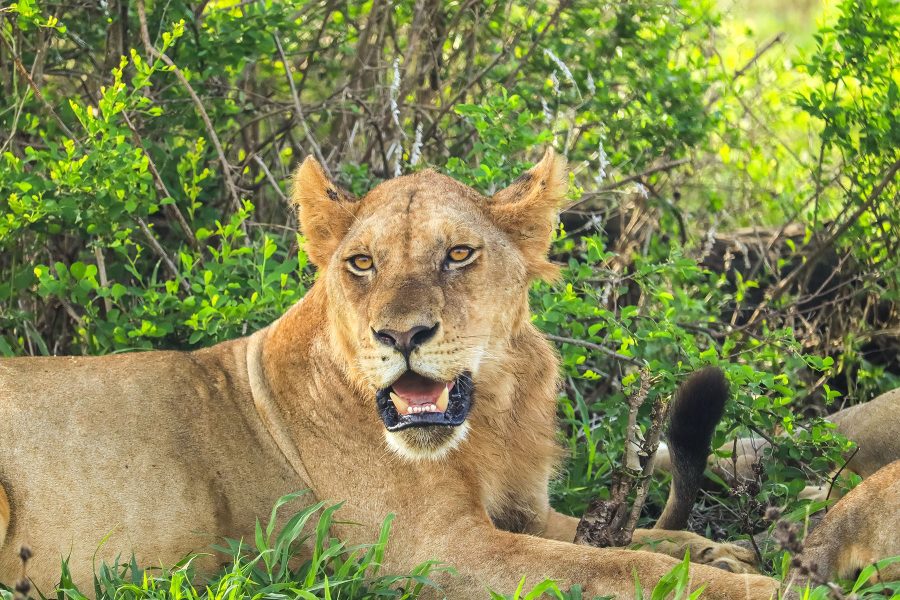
[[147, 150]]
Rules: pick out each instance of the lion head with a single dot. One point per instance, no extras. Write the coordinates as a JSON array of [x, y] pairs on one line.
[[427, 283]]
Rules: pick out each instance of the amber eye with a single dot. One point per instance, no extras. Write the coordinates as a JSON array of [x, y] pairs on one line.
[[458, 254], [360, 262]]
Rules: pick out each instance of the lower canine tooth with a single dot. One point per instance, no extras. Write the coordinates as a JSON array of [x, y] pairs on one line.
[[400, 404], [443, 400]]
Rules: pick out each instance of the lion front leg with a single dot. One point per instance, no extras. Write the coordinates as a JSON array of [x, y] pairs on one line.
[[488, 558], [728, 557]]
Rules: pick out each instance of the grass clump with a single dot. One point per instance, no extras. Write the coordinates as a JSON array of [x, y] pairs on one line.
[[277, 564]]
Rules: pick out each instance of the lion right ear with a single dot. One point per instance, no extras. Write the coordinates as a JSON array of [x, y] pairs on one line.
[[325, 211], [527, 211]]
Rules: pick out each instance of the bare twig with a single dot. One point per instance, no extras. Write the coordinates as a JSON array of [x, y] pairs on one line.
[[611, 522], [779, 37], [657, 168], [104, 280], [837, 475], [171, 209], [648, 447]]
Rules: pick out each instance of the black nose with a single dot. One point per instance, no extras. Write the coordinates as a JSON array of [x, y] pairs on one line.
[[406, 341]]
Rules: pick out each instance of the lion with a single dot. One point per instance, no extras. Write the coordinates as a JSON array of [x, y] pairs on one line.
[[861, 529], [871, 426], [408, 380]]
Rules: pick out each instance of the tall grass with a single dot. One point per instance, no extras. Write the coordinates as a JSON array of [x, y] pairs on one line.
[[272, 567]]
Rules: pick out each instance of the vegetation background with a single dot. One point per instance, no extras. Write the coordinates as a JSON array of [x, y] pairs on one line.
[[734, 195]]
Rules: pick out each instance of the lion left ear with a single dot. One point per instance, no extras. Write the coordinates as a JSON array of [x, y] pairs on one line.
[[528, 210], [325, 211]]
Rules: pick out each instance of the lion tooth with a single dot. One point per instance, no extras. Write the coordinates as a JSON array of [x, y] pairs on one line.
[[443, 400], [400, 404]]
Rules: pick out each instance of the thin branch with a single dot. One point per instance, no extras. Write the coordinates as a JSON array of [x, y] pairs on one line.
[[161, 188], [657, 168], [104, 279], [301, 118], [779, 37], [271, 179], [37, 92], [838, 474], [596, 347], [161, 253], [151, 49], [811, 256]]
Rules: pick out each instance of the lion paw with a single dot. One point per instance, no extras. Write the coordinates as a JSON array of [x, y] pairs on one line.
[[728, 557]]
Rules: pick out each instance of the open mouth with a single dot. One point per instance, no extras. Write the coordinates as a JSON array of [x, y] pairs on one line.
[[417, 401]]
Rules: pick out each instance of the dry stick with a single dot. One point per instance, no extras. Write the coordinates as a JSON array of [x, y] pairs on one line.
[[610, 522], [151, 49], [810, 257], [297, 107], [658, 417], [837, 475], [632, 461]]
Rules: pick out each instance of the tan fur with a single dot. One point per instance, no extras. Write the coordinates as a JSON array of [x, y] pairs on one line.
[[873, 427], [859, 530], [169, 449]]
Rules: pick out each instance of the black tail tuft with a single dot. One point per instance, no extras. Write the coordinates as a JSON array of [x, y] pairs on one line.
[[696, 410]]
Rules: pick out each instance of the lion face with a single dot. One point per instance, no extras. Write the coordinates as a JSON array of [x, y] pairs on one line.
[[427, 285]]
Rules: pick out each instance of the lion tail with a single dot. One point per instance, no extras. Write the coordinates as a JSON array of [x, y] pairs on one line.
[[696, 411], [4, 515]]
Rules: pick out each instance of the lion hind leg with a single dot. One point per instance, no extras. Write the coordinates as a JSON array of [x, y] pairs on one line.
[[4, 515]]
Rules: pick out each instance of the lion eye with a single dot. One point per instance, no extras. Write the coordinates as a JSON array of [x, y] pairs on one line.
[[360, 262], [459, 254]]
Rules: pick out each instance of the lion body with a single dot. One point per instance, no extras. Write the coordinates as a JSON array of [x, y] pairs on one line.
[[170, 450], [861, 529], [872, 426], [161, 443]]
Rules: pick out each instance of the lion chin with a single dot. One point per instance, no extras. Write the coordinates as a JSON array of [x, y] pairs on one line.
[[426, 443]]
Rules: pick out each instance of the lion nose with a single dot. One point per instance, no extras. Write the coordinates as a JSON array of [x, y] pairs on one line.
[[406, 341]]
